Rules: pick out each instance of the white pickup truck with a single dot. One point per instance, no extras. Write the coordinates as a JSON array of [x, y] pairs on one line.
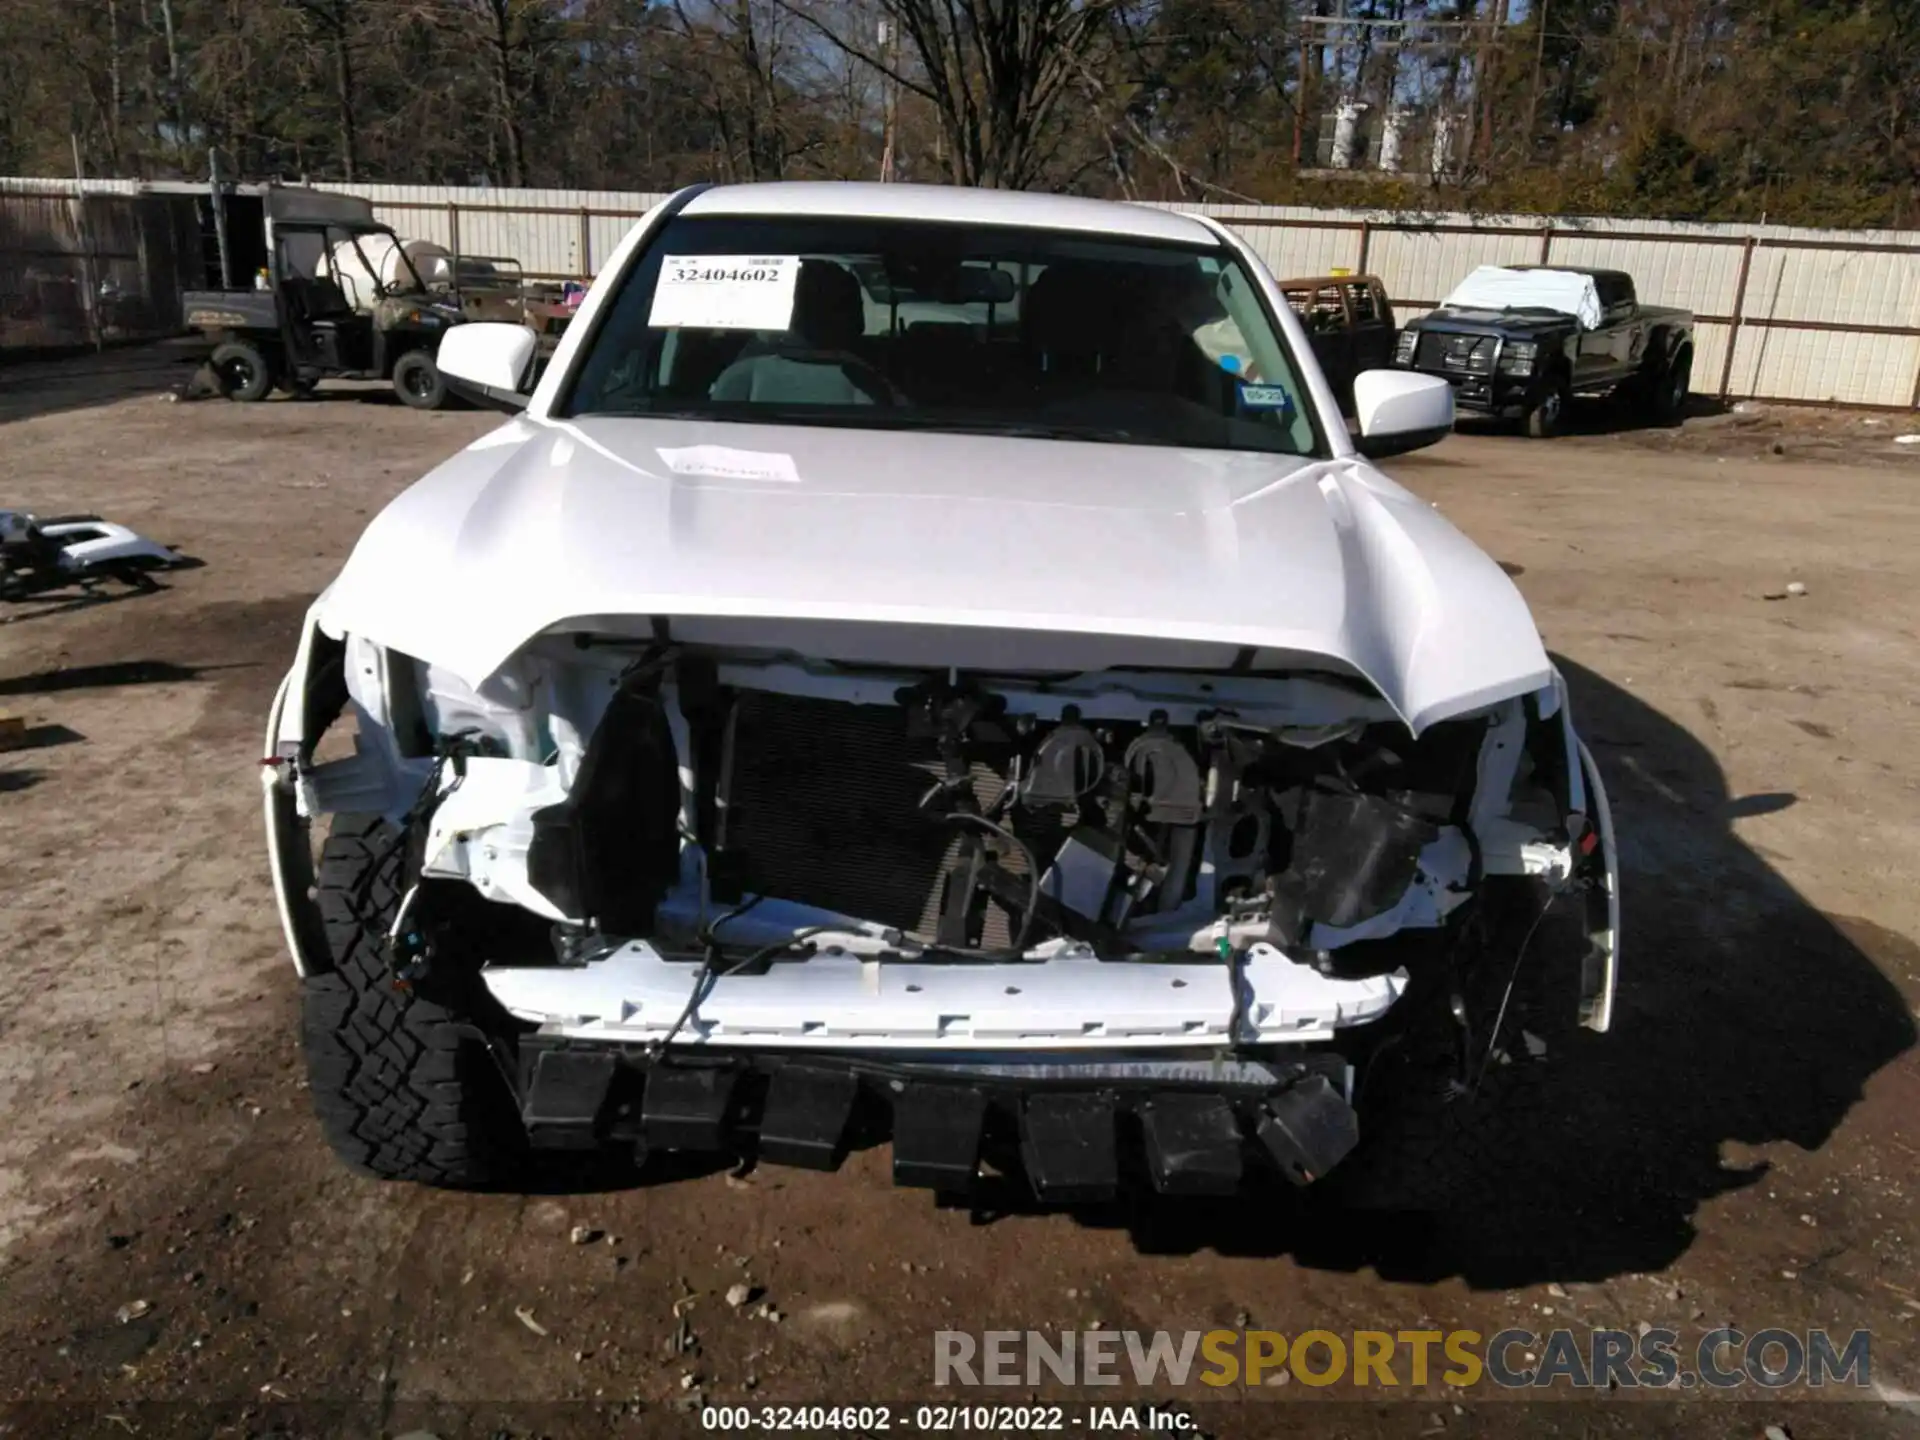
[[932, 665]]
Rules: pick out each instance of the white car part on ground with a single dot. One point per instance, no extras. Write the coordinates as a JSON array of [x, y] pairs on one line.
[[87, 542], [91, 542]]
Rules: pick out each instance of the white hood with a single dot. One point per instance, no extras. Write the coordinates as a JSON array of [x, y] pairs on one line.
[[540, 523]]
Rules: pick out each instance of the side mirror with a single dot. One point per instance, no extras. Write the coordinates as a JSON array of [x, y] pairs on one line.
[[489, 363], [1400, 411]]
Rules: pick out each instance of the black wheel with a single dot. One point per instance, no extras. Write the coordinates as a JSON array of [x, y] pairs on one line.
[[241, 370], [1666, 398], [418, 382], [1549, 412], [1449, 1111], [403, 1082]]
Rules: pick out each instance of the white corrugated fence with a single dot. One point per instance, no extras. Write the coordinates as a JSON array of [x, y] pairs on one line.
[[1785, 314]]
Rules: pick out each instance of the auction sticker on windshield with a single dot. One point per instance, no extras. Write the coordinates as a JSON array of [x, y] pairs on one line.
[[725, 292]]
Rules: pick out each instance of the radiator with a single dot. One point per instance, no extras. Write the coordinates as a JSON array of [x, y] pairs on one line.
[[822, 806]]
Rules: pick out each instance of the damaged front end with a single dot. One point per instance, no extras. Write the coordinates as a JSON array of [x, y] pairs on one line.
[[747, 899]]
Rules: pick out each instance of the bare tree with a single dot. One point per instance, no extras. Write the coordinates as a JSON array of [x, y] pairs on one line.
[[515, 42], [994, 71], [333, 19], [739, 54], [116, 94], [503, 52], [1653, 107], [176, 93]]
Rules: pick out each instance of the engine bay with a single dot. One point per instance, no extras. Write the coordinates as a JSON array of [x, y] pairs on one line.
[[976, 829], [989, 817], [757, 847]]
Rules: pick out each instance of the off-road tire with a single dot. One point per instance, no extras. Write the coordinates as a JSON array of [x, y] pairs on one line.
[[1549, 414], [402, 1082], [241, 370], [1430, 1143], [418, 382]]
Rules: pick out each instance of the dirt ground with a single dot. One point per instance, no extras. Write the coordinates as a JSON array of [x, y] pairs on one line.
[[1743, 1148]]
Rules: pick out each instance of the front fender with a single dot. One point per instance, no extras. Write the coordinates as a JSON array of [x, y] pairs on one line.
[[1594, 877], [329, 676], [1598, 878], [289, 850]]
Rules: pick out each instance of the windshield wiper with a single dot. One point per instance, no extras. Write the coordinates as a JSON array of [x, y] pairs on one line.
[[642, 412], [878, 418], [1013, 429]]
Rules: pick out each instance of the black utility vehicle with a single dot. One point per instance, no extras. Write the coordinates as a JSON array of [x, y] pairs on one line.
[[298, 326], [1519, 342]]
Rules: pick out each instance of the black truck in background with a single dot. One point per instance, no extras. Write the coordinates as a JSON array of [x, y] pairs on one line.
[[1527, 364]]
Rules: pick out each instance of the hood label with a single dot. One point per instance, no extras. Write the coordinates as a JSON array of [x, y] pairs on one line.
[[725, 292], [720, 462]]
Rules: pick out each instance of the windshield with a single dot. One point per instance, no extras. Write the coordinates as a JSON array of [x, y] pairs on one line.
[[903, 325]]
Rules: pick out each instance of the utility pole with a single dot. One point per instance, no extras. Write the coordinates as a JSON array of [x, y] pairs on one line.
[[83, 233], [1539, 63], [1300, 100], [175, 101], [1339, 49], [1483, 77], [890, 97], [217, 192]]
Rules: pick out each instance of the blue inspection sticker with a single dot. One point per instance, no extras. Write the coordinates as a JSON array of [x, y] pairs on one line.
[[1266, 397]]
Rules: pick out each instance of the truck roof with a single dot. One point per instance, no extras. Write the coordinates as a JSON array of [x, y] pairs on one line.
[[1615, 276], [951, 204]]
